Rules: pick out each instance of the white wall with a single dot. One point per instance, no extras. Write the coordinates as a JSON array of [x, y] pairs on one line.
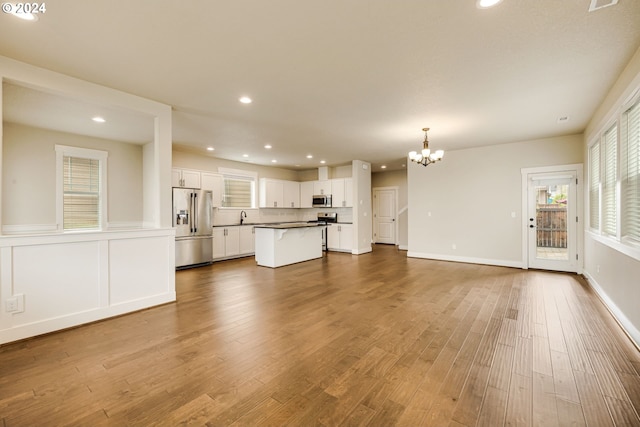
[[29, 170], [362, 221], [398, 179], [614, 275], [60, 279], [467, 200]]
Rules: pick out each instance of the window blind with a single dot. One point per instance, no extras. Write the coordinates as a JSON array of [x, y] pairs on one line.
[[609, 175], [81, 188], [630, 165], [594, 187], [238, 192]]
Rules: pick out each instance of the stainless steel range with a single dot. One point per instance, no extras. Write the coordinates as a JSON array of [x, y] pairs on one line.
[[325, 218]]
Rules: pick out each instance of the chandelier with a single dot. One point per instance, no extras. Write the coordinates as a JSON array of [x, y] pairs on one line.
[[426, 157]]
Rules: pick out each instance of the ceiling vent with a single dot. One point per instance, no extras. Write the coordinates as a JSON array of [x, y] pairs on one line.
[[599, 4]]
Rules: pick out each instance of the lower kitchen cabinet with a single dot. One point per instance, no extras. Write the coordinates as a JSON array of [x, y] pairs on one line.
[[340, 237], [232, 242], [247, 239]]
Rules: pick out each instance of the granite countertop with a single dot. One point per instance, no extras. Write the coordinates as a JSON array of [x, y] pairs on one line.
[[283, 226]]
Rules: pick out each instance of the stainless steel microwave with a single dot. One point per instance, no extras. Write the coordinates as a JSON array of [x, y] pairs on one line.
[[321, 201]]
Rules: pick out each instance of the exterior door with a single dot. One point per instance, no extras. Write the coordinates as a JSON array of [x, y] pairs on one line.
[[552, 222], [384, 215]]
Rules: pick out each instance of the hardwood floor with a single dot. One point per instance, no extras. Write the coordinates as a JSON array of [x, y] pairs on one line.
[[376, 339]]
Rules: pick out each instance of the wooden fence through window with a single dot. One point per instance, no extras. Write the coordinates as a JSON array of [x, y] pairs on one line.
[[552, 226]]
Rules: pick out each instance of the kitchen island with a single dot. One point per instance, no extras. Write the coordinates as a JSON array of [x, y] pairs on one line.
[[283, 244]]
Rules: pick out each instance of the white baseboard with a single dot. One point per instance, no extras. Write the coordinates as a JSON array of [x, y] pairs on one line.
[[629, 328], [403, 247], [361, 251], [76, 319], [468, 260]]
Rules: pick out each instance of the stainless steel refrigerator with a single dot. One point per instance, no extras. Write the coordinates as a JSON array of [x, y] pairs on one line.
[[192, 221]]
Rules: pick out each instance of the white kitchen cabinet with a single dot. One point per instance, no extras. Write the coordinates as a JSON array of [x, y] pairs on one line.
[[340, 237], [322, 187], [348, 192], [342, 193], [247, 239], [185, 178], [226, 242], [233, 241], [213, 182], [277, 193], [291, 194], [306, 194], [271, 193], [219, 236]]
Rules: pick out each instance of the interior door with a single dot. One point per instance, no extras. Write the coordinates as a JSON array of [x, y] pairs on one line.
[[552, 222], [384, 216]]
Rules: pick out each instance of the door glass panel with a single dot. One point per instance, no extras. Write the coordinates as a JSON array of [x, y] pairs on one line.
[[551, 221]]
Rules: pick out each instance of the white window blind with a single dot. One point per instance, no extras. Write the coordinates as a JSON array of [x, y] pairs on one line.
[[239, 188], [609, 176], [81, 193], [594, 187], [630, 165]]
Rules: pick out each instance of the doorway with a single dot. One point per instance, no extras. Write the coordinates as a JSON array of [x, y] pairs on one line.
[[385, 200], [551, 221]]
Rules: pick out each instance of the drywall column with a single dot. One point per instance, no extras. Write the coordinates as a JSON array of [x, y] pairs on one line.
[[362, 222]]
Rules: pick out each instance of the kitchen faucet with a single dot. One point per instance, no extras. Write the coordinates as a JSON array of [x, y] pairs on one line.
[[241, 218]]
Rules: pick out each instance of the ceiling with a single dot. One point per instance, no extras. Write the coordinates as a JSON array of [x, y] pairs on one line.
[[340, 80]]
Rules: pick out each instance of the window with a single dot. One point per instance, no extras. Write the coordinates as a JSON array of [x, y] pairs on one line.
[[594, 187], [630, 169], [239, 188], [614, 182], [609, 180], [81, 188]]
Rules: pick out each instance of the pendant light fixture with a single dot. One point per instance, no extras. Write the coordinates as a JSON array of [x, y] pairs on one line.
[[426, 157]]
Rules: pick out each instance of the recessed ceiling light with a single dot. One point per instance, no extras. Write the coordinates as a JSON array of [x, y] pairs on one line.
[[98, 119], [245, 155], [268, 147], [309, 156], [485, 4], [323, 161], [274, 161], [383, 167], [210, 148], [246, 100]]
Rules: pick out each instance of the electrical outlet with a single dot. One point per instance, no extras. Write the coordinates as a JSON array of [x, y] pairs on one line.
[[453, 246], [11, 305], [14, 304]]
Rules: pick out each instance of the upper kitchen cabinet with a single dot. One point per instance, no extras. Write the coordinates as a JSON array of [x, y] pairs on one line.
[[185, 178], [306, 194], [213, 182], [291, 194], [271, 193], [322, 187], [342, 192], [276, 193]]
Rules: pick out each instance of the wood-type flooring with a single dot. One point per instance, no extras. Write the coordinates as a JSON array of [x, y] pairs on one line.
[[377, 339]]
